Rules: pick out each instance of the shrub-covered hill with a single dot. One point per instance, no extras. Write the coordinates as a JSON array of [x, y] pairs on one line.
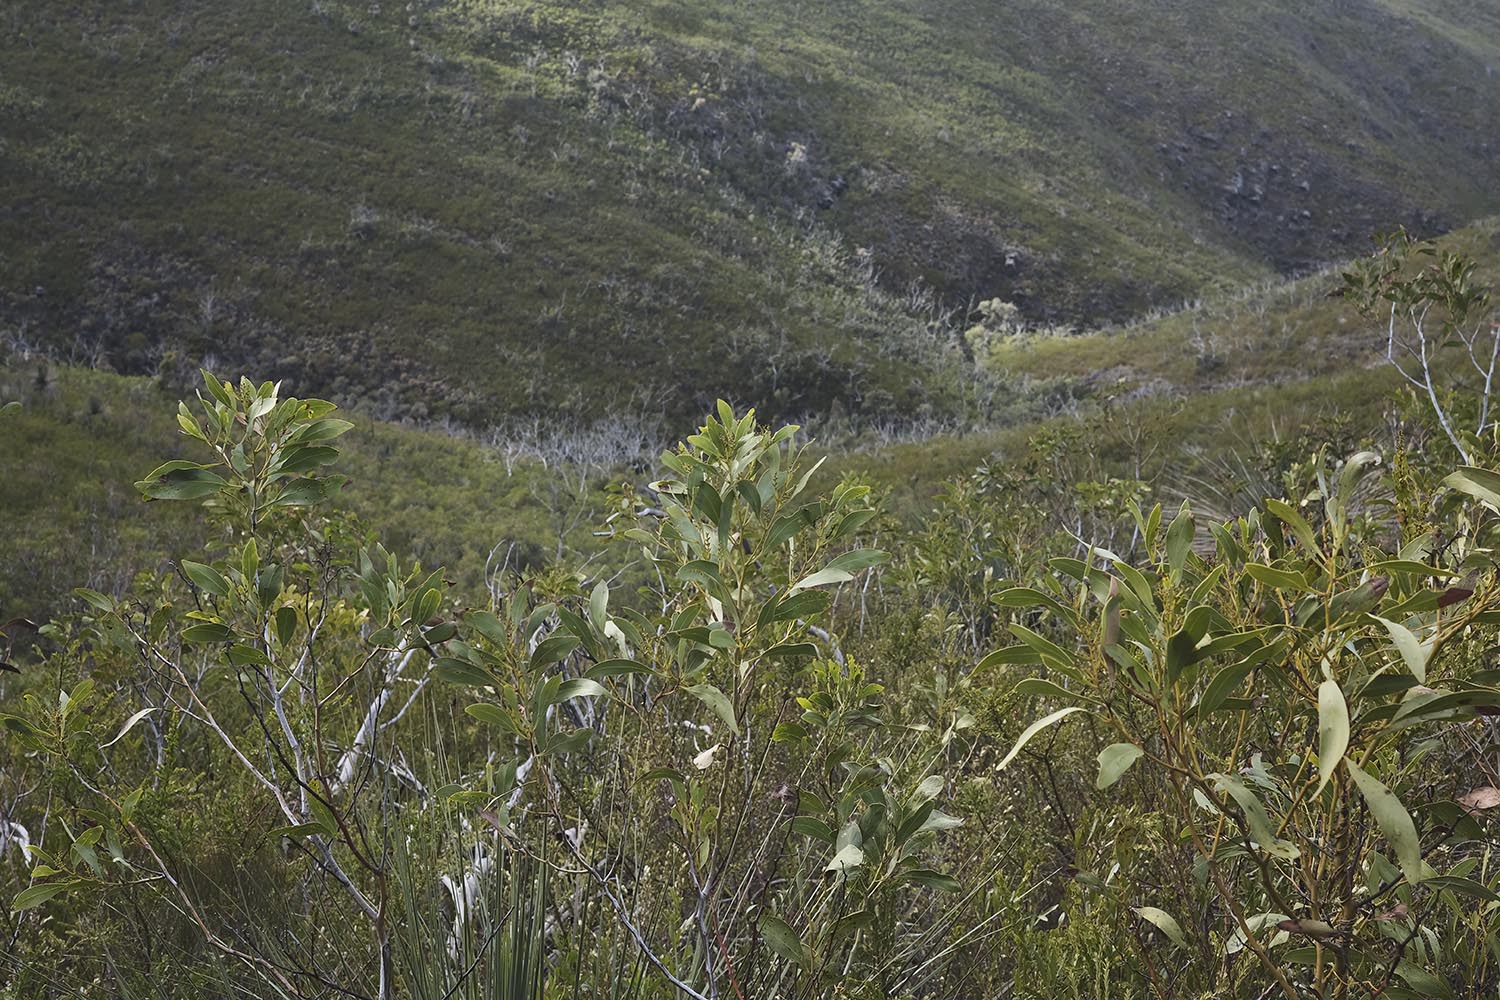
[[1146, 401], [480, 208]]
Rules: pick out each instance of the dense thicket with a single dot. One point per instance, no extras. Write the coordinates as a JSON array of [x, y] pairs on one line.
[[1052, 740]]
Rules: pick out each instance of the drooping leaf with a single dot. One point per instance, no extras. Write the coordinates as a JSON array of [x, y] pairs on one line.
[[1395, 822], [930, 879], [1333, 731], [1293, 519], [206, 578], [1114, 761], [1482, 484], [1277, 579], [1036, 727], [492, 715], [129, 725], [286, 624], [929, 788], [617, 668], [1164, 922], [848, 856], [1259, 823], [1180, 539], [940, 821], [455, 671], [581, 687], [207, 632], [717, 702], [1413, 651], [822, 578], [859, 559]]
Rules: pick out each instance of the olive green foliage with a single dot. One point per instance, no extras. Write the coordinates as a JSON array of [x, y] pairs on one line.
[[1035, 732], [783, 203]]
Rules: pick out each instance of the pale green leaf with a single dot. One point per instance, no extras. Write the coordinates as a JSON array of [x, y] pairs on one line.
[[1333, 730], [1164, 922], [1036, 727], [129, 725], [1412, 650], [1395, 822], [718, 702], [1114, 761]]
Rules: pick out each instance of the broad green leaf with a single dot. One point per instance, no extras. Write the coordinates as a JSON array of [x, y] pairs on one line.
[[788, 732], [779, 935], [930, 879], [939, 820], [1042, 686], [1293, 519], [286, 624], [1413, 651], [492, 715], [599, 604], [97, 599], [1164, 922], [1261, 830], [822, 578], [243, 655], [1036, 727], [427, 606], [1277, 579], [930, 788], [489, 626], [848, 856], [811, 826], [206, 578], [1180, 539], [1464, 887], [859, 559], [1395, 822], [36, 895], [303, 458], [553, 649], [1333, 731], [807, 604], [325, 429], [207, 632], [1482, 484], [1114, 761], [716, 700], [1027, 597], [181, 481], [1423, 981], [617, 668], [456, 671], [1256, 922], [580, 688]]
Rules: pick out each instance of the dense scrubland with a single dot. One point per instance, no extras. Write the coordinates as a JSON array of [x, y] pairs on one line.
[[707, 500], [755, 728]]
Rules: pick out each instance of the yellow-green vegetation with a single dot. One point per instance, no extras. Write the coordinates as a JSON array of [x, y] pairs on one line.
[[792, 760]]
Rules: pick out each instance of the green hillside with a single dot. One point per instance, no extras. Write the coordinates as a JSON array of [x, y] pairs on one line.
[[1156, 399], [482, 210]]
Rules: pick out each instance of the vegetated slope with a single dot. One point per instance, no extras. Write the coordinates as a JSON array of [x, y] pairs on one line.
[[481, 209], [1183, 388], [1273, 333]]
